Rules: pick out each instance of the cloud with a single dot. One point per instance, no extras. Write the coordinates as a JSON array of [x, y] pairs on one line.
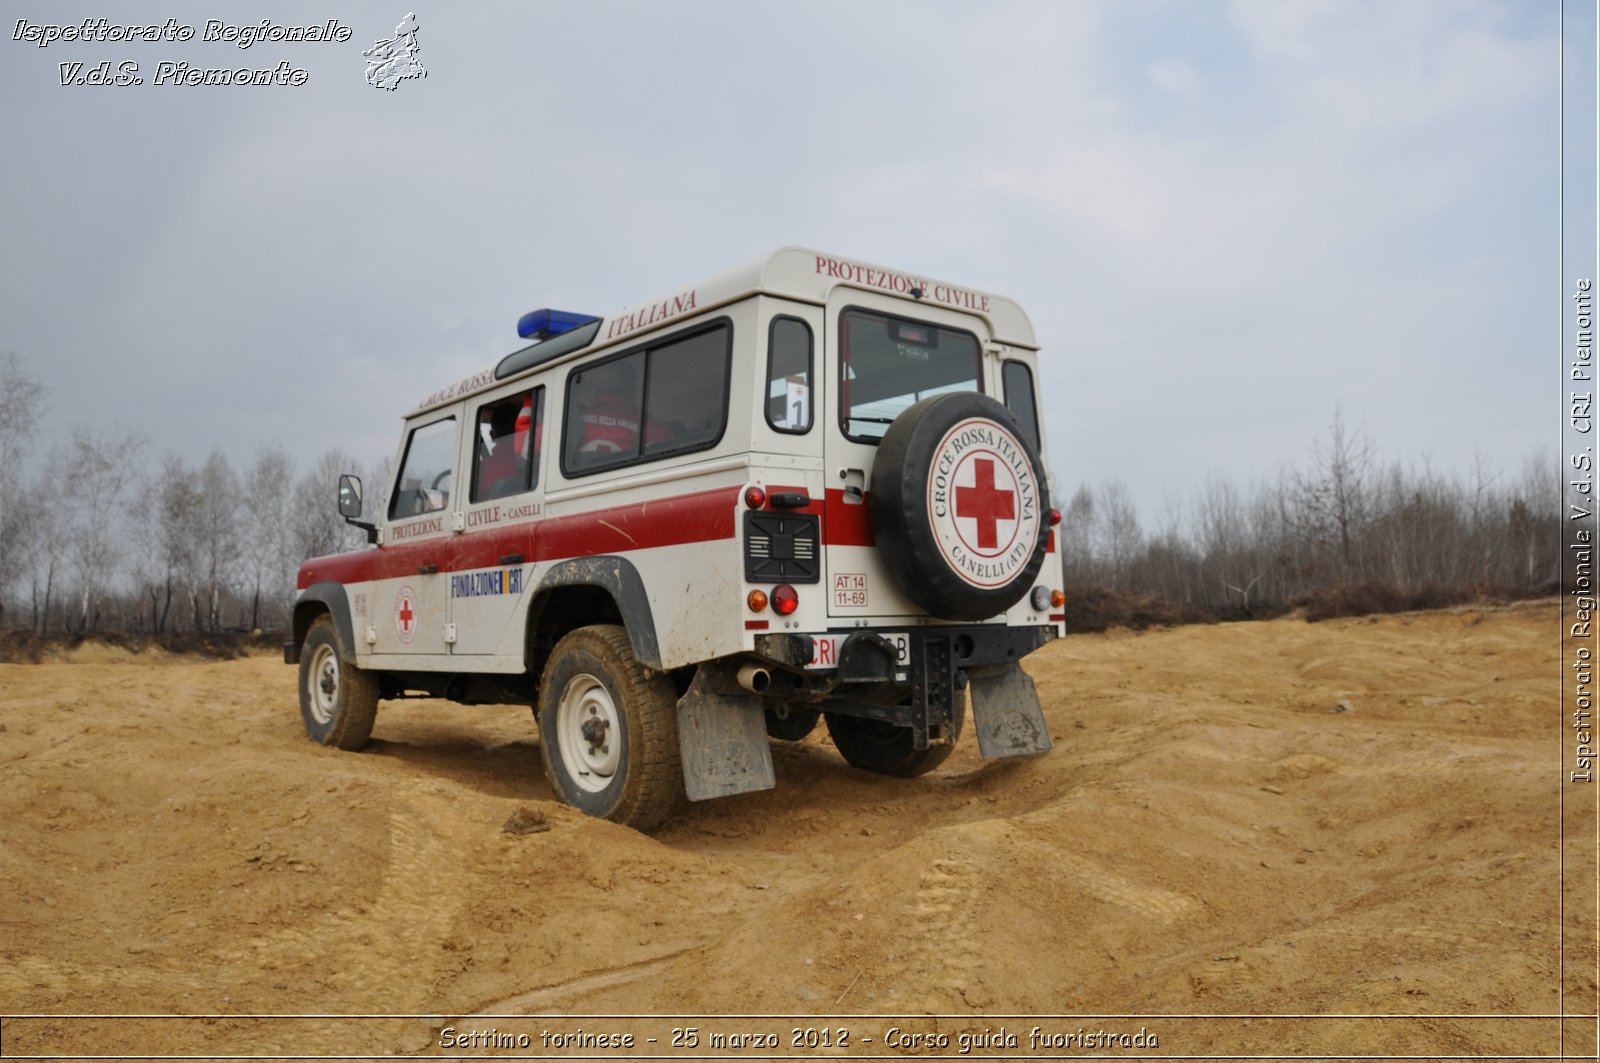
[[1216, 215], [1172, 75]]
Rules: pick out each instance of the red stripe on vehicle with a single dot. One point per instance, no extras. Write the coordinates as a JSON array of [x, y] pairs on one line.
[[391, 562], [704, 516], [701, 517], [846, 523]]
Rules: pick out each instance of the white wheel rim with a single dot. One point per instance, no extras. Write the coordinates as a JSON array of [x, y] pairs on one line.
[[323, 679], [589, 732]]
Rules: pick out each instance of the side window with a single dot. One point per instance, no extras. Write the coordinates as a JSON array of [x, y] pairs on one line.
[[423, 485], [686, 393], [1018, 381], [603, 409], [506, 446], [789, 375], [668, 399]]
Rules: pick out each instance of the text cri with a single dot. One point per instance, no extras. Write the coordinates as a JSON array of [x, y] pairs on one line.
[[901, 284]]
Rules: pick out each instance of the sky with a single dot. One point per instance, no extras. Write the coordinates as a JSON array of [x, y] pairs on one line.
[[1226, 220]]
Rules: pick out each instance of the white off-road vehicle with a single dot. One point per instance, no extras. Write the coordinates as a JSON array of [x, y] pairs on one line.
[[807, 488]]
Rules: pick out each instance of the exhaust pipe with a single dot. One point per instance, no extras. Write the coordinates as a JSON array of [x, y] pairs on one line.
[[755, 678]]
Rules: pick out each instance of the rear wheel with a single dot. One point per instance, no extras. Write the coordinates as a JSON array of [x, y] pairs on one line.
[[791, 724], [885, 749], [608, 730], [338, 701]]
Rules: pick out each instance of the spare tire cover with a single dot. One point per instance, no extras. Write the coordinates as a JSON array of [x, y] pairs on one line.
[[958, 502]]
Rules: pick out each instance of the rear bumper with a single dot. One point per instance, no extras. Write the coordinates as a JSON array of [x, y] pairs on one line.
[[922, 690], [867, 656]]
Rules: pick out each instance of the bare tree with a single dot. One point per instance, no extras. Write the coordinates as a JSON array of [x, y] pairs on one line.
[[22, 403], [265, 531], [1229, 536], [218, 532], [1119, 531], [180, 541], [94, 473], [1332, 499], [48, 512], [318, 527], [1076, 539], [144, 534], [1534, 538], [165, 530]]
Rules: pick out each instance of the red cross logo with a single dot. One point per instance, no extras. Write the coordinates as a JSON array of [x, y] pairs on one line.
[[986, 504], [405, 616]]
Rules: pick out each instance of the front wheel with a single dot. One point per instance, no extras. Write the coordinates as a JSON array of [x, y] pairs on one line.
[[608, 730], [338, 701]]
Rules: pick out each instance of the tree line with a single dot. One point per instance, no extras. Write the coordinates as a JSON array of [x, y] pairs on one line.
[[1343, 532], [106, 537]]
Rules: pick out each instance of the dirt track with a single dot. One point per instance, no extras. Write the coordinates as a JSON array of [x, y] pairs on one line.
[[1212, 835]]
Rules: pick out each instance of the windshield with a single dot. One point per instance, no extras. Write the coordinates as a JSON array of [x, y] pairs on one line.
[[888, 363]]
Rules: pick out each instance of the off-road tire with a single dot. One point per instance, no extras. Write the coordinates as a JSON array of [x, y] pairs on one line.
[[884, 749], [898, 502], [338, 701], [595, 693]]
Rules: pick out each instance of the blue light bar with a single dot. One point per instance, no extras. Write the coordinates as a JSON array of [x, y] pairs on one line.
[[542, 324]]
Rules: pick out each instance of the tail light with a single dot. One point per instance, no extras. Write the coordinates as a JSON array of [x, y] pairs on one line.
[[1045, 598], [785, 599]]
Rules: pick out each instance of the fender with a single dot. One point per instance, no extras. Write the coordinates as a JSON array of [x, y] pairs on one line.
[[618, 578], [334, 596]]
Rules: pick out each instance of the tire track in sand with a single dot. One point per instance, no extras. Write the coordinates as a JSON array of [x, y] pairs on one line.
[[398, 938], [945, 936]]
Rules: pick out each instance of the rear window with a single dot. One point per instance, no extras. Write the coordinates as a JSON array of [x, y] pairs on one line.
[[889, 363]]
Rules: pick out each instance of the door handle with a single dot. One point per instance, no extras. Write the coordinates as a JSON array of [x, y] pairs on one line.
[[428, 570], [855, 485], [512, 559]]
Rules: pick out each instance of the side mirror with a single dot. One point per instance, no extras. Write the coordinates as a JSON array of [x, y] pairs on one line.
[[350, 506], [349, 496]]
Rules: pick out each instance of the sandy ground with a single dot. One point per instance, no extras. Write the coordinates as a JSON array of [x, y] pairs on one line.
[[1214, 835]]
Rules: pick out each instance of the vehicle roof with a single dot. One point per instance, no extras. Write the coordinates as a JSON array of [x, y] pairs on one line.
[[797, 273]]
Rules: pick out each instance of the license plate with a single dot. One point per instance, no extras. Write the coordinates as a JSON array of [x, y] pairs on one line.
[[827, 648]]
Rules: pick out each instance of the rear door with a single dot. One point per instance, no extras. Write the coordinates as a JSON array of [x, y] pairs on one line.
[[882, 354]]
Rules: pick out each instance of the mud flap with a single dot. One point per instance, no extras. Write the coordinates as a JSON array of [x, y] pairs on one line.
[[1006, 712], [722, 738]]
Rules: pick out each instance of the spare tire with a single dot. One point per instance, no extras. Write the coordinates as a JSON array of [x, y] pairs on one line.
[[958, 503]]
